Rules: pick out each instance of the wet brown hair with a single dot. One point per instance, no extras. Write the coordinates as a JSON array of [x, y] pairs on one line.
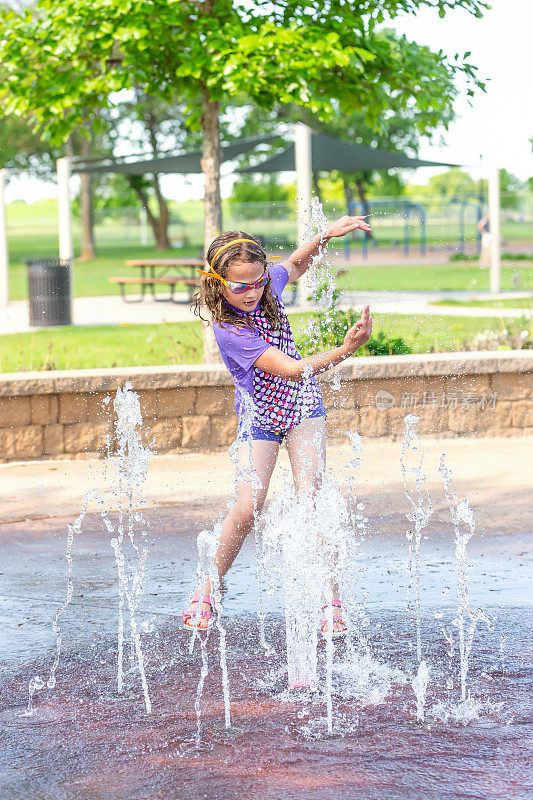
[[211, 293]]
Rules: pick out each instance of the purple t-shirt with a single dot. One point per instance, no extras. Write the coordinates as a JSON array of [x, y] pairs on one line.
[[279, 403]]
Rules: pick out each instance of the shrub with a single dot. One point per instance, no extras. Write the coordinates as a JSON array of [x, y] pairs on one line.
[[327, 329], [513, 336]]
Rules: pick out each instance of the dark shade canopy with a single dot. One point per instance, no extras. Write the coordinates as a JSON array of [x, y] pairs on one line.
[[186, 163], [328, 153]]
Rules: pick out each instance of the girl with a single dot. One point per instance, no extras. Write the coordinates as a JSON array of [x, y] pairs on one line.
[[243, 294]]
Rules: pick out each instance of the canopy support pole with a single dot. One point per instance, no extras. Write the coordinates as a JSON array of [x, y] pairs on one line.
[[302, 157], [66, 247], [495, 240], [64, 208], [4, 255]]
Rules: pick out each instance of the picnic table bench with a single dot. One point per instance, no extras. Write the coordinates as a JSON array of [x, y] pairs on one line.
[[158, 269]]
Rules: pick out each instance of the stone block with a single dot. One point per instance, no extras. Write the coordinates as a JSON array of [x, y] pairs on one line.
[[97, 409], [15, 411], [148, 403], [381, 393], [476, 419], [339, 421], [223, 430], [513, 385], [54, 408], [373, 422], [41, 412], [53, 440], [21, 442], [196, 431], [522, 414], [160, 435], [468, 384], [462, 420], [72, 408], [343, 397], [173, 403], [86, 437], [431, 421], [215, 401]]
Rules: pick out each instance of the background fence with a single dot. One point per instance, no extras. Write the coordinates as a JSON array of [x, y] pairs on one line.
[[32, 230]]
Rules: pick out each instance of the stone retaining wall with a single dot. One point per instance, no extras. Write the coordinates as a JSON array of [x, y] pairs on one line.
[[54, 414]]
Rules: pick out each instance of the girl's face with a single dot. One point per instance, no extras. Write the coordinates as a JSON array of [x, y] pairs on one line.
[[244, 272]]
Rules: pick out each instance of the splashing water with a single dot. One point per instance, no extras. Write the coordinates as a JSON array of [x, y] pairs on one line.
[[207, 571], [131, 462], [466, 620], [420, 685], [419, 516]]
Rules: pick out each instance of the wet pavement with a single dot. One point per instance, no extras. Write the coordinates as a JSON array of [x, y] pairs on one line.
[[85, 741]]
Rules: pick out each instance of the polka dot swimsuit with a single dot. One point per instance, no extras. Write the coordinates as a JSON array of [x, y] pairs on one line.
[[280, 403]]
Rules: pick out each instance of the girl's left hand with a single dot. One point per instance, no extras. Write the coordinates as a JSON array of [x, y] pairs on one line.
[[346, 224]]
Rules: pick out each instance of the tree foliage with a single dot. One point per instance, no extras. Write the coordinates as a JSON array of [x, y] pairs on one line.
[[62, 60]]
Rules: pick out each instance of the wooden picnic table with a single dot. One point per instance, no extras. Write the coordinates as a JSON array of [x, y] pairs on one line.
[[163, 265], [158, 269]]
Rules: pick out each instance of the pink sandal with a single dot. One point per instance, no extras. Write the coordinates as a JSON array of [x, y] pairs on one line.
[[337, 617], [205, 614]]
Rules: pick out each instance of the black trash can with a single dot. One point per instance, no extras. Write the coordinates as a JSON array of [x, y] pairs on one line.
[[49, 291]]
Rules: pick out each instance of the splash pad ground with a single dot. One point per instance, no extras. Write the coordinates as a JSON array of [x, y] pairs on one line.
[[85, 741]]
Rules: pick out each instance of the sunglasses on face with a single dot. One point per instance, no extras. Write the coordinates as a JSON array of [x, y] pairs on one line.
[[235, 286]]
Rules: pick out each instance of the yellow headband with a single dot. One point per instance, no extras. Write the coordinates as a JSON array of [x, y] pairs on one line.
[[225, 247]]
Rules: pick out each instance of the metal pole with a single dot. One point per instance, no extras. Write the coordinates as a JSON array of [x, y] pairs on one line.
[[4, 256], [302, 157], [406, 229], [64, 209], [462, 209], [494, 221], [422, 229], [479, 214], [66, 247]]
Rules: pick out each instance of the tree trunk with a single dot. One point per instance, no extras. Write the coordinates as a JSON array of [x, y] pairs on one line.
[[162, 241], [162, 238], [88, 249], [159, 227], [362, 195], [348, 193], [211, 156]]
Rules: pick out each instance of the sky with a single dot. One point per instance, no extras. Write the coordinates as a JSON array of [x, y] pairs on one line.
[[494, 130]]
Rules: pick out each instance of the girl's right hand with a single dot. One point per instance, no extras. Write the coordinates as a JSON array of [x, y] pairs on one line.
[[359, 333]]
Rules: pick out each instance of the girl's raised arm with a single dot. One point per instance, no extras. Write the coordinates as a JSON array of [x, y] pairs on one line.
[[277, 363], [300, 261]]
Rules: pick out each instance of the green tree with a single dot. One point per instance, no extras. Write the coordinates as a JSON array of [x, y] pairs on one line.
[[63, 60], [454, 184], [258, 190], [510, 187], [23, 147]]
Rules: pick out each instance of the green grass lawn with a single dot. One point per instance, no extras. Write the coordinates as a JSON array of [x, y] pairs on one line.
[[91, 277], [181, 343], [445, 277], [506, 302]]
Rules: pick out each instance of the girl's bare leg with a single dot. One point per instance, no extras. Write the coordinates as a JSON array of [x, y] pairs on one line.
[[240, 519], [306, 445]]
